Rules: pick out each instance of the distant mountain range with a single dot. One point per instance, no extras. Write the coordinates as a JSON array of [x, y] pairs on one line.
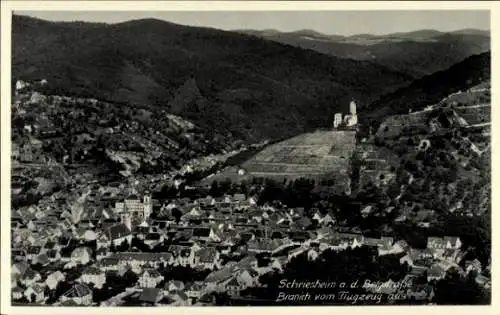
[[416, 53], [235, 83]]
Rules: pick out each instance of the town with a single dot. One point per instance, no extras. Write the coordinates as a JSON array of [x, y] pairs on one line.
[[84, 238]]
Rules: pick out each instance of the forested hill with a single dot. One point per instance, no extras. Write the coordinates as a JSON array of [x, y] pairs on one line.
[[431, 89], [236, 83]]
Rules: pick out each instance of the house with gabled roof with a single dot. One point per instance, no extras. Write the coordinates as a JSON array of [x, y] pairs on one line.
[[263, 245], [153, 239], [453, 242], [483, 281], [205, 234], [395, 248], [296, 252], [109, 264], [94, 275], [416, 256], [81, 255], [108, 222], [207, 258], [179, 298], [473, 266], [233, 286], [299, 236], [65, 239], [79, 293], [85, 234], [328, 220], [449, 255], [421, 292], [418, 271], [441, 243], [371, 242], [239, 198], [30, 277], [249, 277], [150, 278], [19, 268], [54, 278], [313, 253], [142, 229], [17, 293], [18, 254], [42, 259], [151, 295], [103, 241], [142, 259], [350, 240], [324, 232], [173, 285], [118, 234], [102, 252], [35, 293], [32, 252], [195, 289], [182, 255], [435, 272], [53, 255], [216, 279], [49, 245]]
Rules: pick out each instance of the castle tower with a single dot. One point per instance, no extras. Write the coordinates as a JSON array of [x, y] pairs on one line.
[[353, 118], [352, 108]]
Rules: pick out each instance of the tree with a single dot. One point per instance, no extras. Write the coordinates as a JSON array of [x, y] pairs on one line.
[[214, 189], [454, 290], [177, 214], [124, 246], [130, 278]]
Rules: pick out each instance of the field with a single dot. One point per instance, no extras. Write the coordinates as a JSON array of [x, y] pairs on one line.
[[475, 114], [471, 97], [313, 153], [394, 125], [317, 154]]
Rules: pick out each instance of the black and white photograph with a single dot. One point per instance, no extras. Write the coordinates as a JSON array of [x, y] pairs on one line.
[[248, 158]]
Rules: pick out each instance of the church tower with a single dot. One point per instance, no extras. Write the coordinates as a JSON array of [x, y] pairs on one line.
[[148, 206]]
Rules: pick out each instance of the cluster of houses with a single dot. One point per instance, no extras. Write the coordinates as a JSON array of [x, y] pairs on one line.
[[222, 236]]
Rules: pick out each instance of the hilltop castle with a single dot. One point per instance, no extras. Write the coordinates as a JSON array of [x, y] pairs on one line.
[[348, 121]]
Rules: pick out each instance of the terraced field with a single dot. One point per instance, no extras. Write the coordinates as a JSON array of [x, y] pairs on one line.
[[317, 155], [473, 115], [394, 125], [471, 97], [310, 154]]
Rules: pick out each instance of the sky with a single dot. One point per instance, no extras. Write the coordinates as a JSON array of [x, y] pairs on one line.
[[328, 22]]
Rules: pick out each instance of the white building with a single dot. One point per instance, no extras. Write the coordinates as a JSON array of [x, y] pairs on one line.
[[20, 85], [337, 120], [133, 209], [349, 120]]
